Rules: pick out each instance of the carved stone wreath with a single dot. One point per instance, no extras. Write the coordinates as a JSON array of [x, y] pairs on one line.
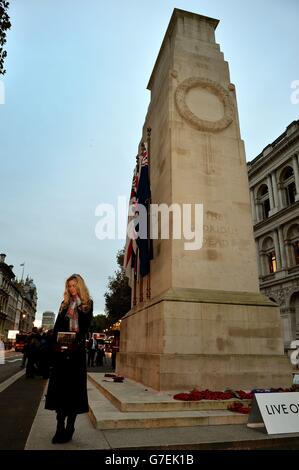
[[214, 88]]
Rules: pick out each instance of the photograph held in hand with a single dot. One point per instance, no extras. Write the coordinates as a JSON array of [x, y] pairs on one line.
[[65, 338]]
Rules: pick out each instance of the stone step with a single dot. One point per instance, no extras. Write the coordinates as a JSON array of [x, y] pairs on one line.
[[104, 415], [132, 396]]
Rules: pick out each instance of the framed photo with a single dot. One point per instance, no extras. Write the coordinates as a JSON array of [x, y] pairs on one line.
[[65, 338]]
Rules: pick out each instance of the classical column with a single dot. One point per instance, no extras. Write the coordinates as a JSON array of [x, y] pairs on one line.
[[280, 195], [275, 190], [258, 255], [270, 192], [289, 260], [253, 209], [277, 250], [258, 210], [296, 173], [282, 248]]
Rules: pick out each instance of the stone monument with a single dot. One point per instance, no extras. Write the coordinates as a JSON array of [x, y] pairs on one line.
[[206, 324]]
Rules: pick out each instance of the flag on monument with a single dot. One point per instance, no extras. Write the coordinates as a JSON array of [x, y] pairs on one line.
[[143, 189], [131, 245], [143, 195], [138, 251]]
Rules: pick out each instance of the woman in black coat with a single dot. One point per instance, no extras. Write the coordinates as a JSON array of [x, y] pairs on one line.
[[67, 389]]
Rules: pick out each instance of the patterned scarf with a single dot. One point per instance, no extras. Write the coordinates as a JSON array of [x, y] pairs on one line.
[[72, 314]]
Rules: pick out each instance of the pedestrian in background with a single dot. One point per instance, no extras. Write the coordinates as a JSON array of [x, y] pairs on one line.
[[45, 354], [92, 348], [2, 351], [32, 353], [100, 353], [67, 389], [115, 348], [25, 351]]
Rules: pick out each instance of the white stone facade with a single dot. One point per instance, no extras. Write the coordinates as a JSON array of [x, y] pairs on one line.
[[18, 301], [274, 193]]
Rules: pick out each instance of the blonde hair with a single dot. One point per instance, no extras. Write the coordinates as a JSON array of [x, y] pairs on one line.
[[81, 288]]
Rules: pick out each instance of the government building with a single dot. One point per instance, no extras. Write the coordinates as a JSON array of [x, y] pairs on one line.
[[274, 190], [18, 301]]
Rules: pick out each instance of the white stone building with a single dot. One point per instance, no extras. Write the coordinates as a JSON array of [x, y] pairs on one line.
[[18, 300], [6, 278], [274, 190]]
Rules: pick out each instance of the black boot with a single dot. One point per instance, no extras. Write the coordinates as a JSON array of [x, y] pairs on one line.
[[60, 435], [70, 429]]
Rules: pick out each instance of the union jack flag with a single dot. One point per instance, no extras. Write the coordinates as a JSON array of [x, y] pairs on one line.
[[130, 257], [138, 251]]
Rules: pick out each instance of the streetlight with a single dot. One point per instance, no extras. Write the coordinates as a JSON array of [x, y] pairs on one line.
[[24, 315]]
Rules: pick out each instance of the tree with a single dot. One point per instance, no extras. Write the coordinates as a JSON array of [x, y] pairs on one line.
[[118, 295], [4, 26], [99, 323]]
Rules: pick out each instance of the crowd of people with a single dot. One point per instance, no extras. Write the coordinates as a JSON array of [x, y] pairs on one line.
[[37, 352]]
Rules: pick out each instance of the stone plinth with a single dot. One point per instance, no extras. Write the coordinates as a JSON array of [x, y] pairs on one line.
[[191, 338]]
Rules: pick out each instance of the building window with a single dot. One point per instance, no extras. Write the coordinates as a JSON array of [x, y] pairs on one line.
[[266, 208], [290, 193], [263, 200], [269, 261], [292, 244], [287, 180], [272, 262]]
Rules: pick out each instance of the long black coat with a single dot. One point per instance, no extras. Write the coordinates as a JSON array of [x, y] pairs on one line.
[[67, 389]]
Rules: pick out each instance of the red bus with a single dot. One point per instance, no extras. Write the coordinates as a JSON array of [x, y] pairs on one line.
[[21, 340]]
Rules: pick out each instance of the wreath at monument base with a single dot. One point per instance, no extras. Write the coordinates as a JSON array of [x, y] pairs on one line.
[[236, 406], [196, 395]]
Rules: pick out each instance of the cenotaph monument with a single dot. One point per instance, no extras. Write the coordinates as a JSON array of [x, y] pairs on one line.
[[206, 324]]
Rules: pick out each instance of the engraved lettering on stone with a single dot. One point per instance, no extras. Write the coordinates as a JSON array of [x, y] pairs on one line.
[[214, 215], [213, 232]]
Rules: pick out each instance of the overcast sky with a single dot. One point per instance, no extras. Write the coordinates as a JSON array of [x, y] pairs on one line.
[[75, 103]]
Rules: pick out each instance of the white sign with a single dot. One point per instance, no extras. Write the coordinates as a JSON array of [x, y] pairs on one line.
[[296, 379], [12, 334], [280, 411]]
